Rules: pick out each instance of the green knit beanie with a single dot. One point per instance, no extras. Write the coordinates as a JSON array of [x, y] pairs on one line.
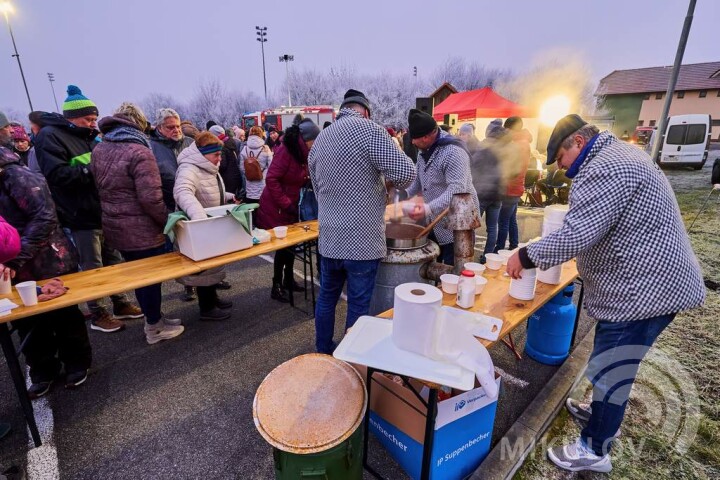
[[78, 105]]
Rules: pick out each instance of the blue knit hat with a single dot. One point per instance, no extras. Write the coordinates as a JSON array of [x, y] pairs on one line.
[[78, 105]]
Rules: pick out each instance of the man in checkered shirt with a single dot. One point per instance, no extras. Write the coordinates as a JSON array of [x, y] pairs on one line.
[[443, 166], [624, 227], [347, 164]]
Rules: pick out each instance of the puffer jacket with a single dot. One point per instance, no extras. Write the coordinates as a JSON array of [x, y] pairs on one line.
[[27, 205], [9, 241], [285, 178], [198, 184], [63, 154], [166, 152], [256, 145], [128, 180]]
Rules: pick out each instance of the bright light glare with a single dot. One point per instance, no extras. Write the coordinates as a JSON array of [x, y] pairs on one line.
[[6, 7], [554, 109]]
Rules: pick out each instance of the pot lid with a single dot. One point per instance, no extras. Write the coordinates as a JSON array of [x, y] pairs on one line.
[[309, 404]]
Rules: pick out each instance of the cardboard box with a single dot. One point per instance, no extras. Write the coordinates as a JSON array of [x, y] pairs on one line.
[[212, 237], [463, 427]]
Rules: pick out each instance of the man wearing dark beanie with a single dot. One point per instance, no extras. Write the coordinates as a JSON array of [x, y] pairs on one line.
[[443, 167], [63, 148], [348, 164]]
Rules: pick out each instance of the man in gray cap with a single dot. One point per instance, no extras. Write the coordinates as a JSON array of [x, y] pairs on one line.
[[347, 164], [624, 227], [5, 132]]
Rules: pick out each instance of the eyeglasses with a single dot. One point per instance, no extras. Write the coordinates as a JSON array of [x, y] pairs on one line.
[[172, 127]]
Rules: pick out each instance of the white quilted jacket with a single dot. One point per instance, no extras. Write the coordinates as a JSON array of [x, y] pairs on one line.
[[198, 184]]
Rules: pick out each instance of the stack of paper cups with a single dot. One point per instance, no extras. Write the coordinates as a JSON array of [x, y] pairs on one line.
[[524, 288], [554, 216], [550, 276], [415, 317]]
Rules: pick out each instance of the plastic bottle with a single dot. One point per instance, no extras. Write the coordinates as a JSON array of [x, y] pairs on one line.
[[466, 289]]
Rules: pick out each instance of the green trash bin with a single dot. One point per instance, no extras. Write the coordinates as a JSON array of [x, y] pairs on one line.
[[311, 409]]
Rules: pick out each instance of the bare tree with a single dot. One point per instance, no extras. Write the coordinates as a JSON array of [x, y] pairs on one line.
[[155, 101], [467, 76]]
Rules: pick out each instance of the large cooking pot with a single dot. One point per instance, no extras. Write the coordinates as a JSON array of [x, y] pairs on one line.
[[401, 236]]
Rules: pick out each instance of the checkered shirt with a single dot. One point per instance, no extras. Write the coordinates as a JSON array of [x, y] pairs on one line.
[[347, 163], [624, 227], [446, 173]]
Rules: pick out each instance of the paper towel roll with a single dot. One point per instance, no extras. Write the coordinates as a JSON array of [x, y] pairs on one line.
[[415, 322]]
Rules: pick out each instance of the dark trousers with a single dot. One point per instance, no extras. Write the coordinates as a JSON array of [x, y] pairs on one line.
[[618, 350], [507, 224], [58, 337], [150, 297], [207, 297], [284, 261]]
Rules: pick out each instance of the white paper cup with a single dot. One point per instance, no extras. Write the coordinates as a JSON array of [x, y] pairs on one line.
[[280, 232], [5, 286], [449, 283], [505, 254], [27, 292], [493, 261], [524, 288], [476, 268], [480, 283]]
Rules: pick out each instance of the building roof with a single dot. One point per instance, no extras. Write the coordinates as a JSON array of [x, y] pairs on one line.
[[447, 85], [481, 103], [696, 76]]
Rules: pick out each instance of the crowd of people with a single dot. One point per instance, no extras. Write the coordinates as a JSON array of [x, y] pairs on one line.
[[83, 194]]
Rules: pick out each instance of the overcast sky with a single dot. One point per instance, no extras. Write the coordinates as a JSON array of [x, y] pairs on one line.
[[122, 50]]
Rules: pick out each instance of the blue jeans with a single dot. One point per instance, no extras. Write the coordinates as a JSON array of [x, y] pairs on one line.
[[360, 276], [150, 297], [507, 223], [619, 348], [491, 210]]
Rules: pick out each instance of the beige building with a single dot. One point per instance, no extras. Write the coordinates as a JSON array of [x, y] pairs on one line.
[[636, 97]]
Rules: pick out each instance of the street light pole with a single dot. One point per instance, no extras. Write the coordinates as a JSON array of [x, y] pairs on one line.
[[287, 59], [262, 38], [7, 8], [51, 79]]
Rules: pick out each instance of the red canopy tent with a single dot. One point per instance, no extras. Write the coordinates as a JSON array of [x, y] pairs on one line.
[[482, 103]]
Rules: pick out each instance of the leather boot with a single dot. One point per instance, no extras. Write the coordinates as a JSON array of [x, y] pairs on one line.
[[278, 292]]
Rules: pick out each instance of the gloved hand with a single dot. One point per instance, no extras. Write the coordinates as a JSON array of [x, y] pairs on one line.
[[52, 289]]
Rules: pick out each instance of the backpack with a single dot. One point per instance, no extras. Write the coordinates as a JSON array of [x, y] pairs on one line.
[[253, 170]]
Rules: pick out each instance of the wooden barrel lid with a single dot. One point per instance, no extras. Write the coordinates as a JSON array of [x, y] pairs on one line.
[[309, 404]]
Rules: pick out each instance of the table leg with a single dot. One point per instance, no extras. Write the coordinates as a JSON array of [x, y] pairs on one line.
[[429, 434], [19, 380], [511, 345], [579, 309], [312, 276]]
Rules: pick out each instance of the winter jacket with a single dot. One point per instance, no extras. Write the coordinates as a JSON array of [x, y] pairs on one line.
[[63, 154], [625, 228], [347, 164], [128, 180], [256, 146], [26, 204], [198, 185], [485, 170], [166, 152], [229, 168], [9, 241], [285, 178], [445, 173], [516, 185]]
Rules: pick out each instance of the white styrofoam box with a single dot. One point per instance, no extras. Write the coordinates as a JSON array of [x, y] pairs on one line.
[[210, 237]]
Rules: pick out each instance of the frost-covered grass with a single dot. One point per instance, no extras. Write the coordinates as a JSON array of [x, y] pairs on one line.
[[654, 423]]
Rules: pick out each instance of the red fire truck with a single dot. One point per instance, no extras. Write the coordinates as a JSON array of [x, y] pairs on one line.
[[283, 117]]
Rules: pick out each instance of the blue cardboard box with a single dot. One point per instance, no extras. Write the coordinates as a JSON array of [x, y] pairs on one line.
[[463, 428]]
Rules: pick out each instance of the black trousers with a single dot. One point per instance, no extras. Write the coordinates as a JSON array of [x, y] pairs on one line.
[[207, 297], [284, 260], [58, 338]]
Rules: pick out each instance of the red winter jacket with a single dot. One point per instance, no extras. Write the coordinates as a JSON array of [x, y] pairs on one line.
[[9, 241], [285, 178], [516, 186]]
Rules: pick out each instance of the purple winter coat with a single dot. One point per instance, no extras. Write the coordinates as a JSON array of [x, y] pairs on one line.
[[128, 181], [285, 178]]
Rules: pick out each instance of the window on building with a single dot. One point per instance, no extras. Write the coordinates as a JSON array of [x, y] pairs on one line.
[[718, 94], [652, 123], [681, 94], [641, 123], [703, 94], [658, 96], [715, 123], [646, 97]]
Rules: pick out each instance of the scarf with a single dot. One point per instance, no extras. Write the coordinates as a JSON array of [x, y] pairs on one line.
[[127, 134], [575, 167]]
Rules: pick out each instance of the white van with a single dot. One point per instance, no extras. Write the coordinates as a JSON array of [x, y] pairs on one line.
[[686, 141]]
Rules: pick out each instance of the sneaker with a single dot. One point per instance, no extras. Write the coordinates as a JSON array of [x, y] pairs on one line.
[[581, 412], [39, 389], [102, 321], [577, 458], [215, 314], [223, 285], [161, 331], [189, 294], [223, 304], [173, 322], [74, 380], [126, 310]]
